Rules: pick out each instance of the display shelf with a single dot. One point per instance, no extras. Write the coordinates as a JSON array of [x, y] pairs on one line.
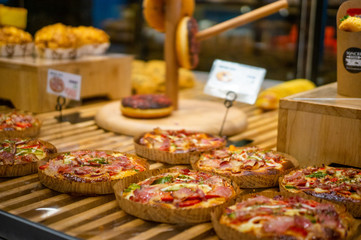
[[99, 217]]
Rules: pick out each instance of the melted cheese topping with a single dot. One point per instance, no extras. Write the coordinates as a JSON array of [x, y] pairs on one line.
[[180, 141], [93, 166], [249, 216], [21, 149], [343, 182], [179, 190], [240, 159]]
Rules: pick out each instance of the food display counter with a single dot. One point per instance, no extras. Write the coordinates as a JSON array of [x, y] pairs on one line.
[[30, 210], [99, 217]]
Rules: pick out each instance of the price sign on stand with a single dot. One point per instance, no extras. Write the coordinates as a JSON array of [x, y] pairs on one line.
[[64, 85], [234, 82], [242, 79]]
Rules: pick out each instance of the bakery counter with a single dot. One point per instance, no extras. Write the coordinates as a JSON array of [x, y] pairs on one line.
[[31, 211]]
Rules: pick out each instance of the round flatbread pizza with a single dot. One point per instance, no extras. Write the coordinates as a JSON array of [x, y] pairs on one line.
[[175, 195], [19, 156], [249, 167], [280, 217], [342, 185], [18, 124], [89, 171], [175, 146]]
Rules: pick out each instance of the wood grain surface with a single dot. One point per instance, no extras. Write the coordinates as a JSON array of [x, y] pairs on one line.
[[100, 217], [196, 115], [26, 79], [321, 127]]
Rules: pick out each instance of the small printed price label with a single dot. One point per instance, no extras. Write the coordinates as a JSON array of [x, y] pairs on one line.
[[64, 84], [242, 79]]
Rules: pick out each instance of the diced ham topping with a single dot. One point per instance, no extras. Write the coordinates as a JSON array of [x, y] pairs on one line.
[[278, 224], [7, 158], [183, 193], [221, 192], [143, 195]]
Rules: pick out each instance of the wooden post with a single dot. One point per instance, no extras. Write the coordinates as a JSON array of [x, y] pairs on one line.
[[172, 17]]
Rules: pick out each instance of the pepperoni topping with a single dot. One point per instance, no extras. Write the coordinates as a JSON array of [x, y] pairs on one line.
[[180, 141], [93, 166], [283, 217], [16, 121], [336, 181], [181, 188]]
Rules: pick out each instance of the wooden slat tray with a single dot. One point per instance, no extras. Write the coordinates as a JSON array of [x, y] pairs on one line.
[[100, 217]]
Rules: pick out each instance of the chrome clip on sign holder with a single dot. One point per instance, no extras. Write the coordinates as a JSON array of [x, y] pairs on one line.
[[228, 103], [60, 102]]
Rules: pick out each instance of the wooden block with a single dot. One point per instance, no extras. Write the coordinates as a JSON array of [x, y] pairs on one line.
[[320, 127], [23, 80]]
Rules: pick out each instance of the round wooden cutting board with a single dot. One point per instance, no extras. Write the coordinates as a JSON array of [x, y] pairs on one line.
[[195, 115]]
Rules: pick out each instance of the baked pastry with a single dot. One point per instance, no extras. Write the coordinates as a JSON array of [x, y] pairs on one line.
[[341, 185], [15, 42], [350, 24], [249, 167], [154, 12], [19, 156], [18, 124], [187, 46], [149, 77], [174, 195], [56, 41], [273, 216], [175, 146], [146, 106], [91, 41], [89, 171]]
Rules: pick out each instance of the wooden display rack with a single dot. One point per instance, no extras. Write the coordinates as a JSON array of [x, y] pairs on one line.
[[23, 80], [196, 115], [321, 127]]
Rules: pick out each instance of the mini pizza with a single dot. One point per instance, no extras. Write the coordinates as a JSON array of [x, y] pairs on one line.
[[19, 156], [88, 171], [342, 185], [175, 146], [57, 84], [19, 124], [280, 217], [174, 195], [249, 167], [146, 106]]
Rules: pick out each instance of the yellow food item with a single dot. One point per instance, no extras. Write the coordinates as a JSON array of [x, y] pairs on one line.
[[56, 36], [351, 24], [269, 98], [90, 35], [143, 84], [13, 16], [13, 35], [149, 77]]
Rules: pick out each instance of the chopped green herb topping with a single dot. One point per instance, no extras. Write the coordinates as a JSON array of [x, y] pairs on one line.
[[132, 187], [181, 176], [344, 18], [99, 160], [317, 175], [165, 179]]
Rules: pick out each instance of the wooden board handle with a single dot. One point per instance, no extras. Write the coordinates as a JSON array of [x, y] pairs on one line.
[[242, 20]]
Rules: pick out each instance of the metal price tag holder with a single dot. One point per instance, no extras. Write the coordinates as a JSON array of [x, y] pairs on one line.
[[228, 103], [60, 103]]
